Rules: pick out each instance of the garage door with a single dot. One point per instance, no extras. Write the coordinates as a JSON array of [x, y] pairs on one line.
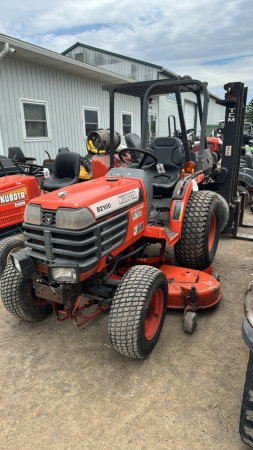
[[189, 114]]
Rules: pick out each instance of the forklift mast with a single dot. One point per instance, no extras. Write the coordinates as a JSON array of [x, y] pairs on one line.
[[235, 103]]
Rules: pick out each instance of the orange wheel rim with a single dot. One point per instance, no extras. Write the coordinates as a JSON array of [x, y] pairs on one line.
[[154, 314], [212, 233]]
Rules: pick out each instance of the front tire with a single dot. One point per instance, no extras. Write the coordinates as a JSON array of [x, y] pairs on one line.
[[18, 297], [7, 246], [200, 231], [138, 311]]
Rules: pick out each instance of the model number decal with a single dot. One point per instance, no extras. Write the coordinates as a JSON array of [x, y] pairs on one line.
[[104, 207], [116, 202], [20, 203]]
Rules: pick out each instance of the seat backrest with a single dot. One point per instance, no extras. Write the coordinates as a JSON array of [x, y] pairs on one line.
[[169, 152], [249, 160], [63, 149], [133, 140], [7, 167], [67, 164], [17, 153]]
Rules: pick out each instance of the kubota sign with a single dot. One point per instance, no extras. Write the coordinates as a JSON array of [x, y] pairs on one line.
[[13, 196]]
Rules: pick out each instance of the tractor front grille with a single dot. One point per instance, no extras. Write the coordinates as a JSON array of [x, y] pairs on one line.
[[84, 247], [47, 214], [11, 216]]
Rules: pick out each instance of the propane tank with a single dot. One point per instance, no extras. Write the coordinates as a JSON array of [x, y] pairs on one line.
[[98, 142]]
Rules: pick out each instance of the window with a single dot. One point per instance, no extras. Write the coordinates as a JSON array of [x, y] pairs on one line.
[[35, 120], [79, 57], [90, 120], [126, 123]]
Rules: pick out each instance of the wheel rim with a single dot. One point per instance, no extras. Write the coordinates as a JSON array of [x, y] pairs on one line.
[[14, 250], [154, 314], [212, 233]]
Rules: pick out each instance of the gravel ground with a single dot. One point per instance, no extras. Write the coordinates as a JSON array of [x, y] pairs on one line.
[[67, 388]]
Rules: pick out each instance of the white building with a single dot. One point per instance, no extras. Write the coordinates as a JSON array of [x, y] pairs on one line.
[[48, 100]]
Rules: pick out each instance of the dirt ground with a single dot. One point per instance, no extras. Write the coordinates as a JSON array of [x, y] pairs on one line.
[[67, 388]]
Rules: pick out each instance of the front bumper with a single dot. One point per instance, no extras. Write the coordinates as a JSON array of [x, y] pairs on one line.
[[247, 334]]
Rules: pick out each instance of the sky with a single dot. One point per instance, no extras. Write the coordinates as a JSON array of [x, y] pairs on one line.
[[210, 40]]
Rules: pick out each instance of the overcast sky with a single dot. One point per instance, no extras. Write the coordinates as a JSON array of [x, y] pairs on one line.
[[211, 40]]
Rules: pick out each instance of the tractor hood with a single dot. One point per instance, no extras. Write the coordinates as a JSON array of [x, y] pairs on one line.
[[11, 181], [111, 194]]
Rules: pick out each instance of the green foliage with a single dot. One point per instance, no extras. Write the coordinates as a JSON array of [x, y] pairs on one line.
[[249, 112]]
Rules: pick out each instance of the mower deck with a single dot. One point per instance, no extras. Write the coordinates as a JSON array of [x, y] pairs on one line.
[[190, 290]]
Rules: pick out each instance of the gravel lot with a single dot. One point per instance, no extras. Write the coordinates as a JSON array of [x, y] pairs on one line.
[[66, 388]]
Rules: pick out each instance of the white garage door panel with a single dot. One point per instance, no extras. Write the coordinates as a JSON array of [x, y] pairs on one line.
[[189, 114]]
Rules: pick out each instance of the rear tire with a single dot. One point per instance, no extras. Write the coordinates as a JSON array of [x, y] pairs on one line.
[[138, 311], [7, 246], [224, 212], [18, 298], [200, 231], [248, 196], [215, 157], [246, 419]]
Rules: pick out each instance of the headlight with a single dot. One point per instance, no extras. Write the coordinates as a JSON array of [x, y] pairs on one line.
[[248, 304], [23, 264], [64, 274], [74, 219], [33, 214]]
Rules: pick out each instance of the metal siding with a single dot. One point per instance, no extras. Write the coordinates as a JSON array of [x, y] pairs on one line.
[[115, 64], [66, 94]]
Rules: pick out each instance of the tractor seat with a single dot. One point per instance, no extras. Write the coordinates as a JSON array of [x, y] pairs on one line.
[[65, 171], [169, 152], [15, 153], [249, 160], [7, 167]]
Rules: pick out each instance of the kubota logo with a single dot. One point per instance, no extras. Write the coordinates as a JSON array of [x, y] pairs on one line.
[[128, 197], [13, 196]]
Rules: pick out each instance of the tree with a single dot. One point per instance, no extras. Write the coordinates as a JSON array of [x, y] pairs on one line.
[[249, 112]]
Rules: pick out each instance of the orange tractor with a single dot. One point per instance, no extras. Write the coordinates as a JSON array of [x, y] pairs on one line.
[[86, 242]]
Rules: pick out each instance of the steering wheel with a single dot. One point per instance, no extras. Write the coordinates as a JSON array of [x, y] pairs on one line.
[[33, 169], [179, 135], [162, 175], [140, 164]]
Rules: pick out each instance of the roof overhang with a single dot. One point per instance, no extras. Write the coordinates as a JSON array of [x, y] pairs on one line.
[[40, 55]]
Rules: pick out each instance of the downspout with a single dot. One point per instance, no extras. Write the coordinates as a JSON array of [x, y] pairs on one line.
[[6, 49]]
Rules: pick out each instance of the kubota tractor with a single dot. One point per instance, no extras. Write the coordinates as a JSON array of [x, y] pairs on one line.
[[86, 243]]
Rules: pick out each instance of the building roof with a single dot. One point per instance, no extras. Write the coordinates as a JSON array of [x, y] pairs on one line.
[[40, 55], [160, 68]]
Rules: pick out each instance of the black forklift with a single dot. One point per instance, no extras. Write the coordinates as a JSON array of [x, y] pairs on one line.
[[225, 179]]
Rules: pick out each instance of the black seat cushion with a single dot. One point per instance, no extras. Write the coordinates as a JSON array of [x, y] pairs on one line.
[[65, 171], [169, 152], [7, 167]]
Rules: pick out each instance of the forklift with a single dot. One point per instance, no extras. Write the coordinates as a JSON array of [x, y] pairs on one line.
[[224, 180]]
